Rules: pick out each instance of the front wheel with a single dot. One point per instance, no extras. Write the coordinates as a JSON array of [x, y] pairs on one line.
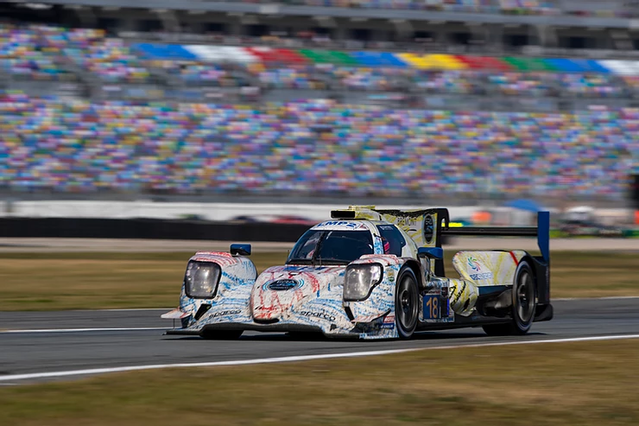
[[524, 304], [406, 304]]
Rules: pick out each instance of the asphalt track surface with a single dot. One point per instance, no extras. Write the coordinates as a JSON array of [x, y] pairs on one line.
[[37, 342]]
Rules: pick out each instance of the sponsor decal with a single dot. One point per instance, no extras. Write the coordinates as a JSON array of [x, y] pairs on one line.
[[483, 276], [225, 313], [390, 274], [429, 229], [388, 323], [458, 294], [343, 223], [318, 314], [474, 264], [283, 285]]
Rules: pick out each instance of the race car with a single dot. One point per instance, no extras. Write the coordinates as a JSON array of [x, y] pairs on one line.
[[370, 274]]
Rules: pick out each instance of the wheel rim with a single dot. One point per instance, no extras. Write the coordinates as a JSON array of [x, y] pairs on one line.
[[525, 297], [407, 305]]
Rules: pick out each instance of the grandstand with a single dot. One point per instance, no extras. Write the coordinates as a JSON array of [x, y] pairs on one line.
[[534, 27], [312, 147], [111, 68], [105, 110]]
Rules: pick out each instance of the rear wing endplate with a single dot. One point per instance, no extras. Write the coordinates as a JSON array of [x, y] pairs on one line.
[[541, 231]]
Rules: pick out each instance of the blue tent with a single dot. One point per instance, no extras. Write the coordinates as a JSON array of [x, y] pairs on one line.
[[522, 204]]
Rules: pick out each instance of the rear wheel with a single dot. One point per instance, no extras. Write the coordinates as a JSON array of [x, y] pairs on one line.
[[524, 304], [406, 304], [209, 334]]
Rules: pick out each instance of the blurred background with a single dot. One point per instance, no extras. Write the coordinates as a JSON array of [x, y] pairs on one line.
[[253, 119]]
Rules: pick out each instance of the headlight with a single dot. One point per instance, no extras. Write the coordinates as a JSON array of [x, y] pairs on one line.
[[201, 279], [360, 279]]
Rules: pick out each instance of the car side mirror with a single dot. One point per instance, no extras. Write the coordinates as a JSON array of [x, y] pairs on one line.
[[431, 252], [240, 249]]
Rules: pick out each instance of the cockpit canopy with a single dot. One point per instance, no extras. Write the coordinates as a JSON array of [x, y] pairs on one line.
[[340, 243], [331, 247]]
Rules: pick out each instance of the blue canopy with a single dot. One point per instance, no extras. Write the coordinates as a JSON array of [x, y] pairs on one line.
[[522, 204]]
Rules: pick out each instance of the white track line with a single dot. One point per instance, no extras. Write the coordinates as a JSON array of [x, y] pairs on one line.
[[56, 374], [82, 330], [563, 299], [128, 309]]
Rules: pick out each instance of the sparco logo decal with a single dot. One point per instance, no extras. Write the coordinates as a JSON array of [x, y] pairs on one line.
[[322, 315], [225, 313]]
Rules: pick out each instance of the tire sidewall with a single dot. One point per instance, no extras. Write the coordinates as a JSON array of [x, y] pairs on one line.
[[519, 326], [406, 332]]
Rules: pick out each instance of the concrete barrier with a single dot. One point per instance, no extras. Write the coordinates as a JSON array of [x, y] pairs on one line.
[[148, 229]]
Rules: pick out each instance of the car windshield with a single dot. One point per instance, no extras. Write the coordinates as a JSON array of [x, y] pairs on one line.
[[331, 247]]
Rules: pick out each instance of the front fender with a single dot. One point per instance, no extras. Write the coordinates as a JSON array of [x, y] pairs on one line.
[[379, 307], [231, 301]]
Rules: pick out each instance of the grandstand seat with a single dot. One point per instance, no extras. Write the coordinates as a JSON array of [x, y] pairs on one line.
[[164, 51]]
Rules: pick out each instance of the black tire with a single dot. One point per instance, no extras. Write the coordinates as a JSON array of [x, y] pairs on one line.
[[209, 334], [406, 303], [524, 304]]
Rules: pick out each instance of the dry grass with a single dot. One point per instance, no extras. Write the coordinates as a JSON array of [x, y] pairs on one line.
[[550, 384], [53, 281]]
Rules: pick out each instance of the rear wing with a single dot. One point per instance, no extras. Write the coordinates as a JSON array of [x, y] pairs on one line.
[[427, 226], [422, 226], [541, 232]]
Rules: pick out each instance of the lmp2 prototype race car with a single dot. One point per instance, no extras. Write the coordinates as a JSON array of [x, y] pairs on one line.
[[370, 274]]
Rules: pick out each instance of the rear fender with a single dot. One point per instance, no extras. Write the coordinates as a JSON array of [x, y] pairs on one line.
[[541, 269], [498, 268]]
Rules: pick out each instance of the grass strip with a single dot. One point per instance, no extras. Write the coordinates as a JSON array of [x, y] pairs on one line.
[[57, 281], [591, 383]]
